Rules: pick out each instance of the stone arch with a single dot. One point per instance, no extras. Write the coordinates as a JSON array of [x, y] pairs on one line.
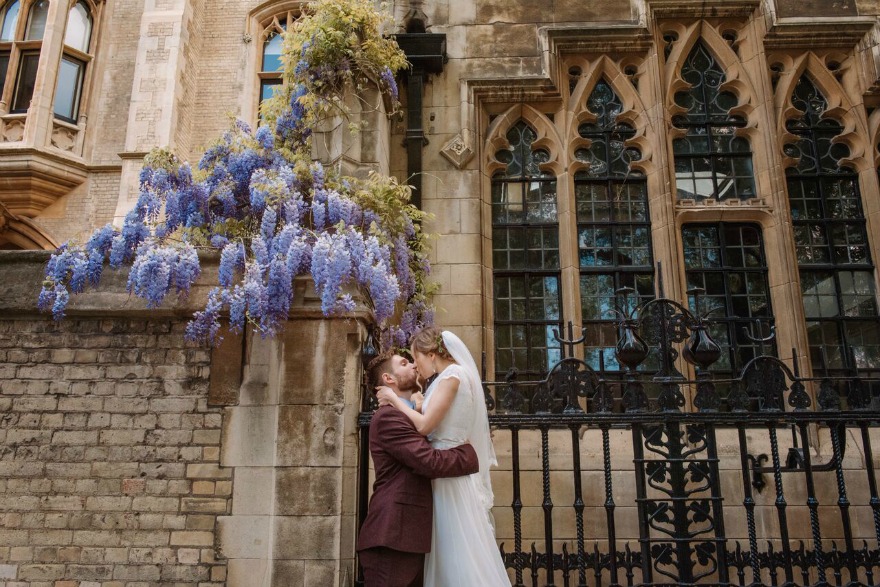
[[17, 232], [634, 112], [266, 14], [840, 107], [548, 138], [737, 80], [874, 137]]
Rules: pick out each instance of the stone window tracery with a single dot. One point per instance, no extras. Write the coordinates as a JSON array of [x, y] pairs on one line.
[[711, 161]]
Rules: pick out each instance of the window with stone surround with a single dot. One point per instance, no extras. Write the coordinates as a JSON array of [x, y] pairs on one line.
[[271, 41], [613, 225], [22, 33], [270, 59], [831, 239], [77, 54], [711, 160], [525, 254]]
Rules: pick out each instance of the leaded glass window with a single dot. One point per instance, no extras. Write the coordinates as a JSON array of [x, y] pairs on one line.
[[614, 231], [834, 260], [271, 65], [727, 261], [711, 161], [525, 255]]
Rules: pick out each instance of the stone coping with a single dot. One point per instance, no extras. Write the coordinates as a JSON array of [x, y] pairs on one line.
[[21, 276]]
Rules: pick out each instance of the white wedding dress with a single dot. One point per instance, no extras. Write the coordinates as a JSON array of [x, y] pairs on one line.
[[463, 552]]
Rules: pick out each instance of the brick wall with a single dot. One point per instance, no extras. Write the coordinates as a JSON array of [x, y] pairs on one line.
[[109, 456]]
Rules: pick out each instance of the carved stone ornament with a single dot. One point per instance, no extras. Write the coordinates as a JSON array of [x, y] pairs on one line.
[[457, 151], [63, 138], [14, 131]]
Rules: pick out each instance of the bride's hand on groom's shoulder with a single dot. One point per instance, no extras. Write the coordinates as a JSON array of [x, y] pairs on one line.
[[385, 396]]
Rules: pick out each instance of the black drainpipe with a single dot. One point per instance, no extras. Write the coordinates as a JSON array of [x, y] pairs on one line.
[[426, 53]]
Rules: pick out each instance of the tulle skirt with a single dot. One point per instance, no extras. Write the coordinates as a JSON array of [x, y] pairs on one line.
[[463, 551]]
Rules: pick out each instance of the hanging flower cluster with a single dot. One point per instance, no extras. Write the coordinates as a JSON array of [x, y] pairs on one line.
[[270, 211]]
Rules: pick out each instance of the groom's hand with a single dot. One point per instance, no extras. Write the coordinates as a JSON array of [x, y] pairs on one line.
[[417, 398]]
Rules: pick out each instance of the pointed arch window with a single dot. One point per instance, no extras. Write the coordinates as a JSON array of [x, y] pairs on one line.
[[834, 259], [270, 66], [613, 224], [525, 255], [711, 160]]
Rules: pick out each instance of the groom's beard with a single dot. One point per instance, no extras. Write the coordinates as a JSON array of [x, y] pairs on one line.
[[408, 384]]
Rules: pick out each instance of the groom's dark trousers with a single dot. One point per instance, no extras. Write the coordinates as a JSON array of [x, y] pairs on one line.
[[397, 532]]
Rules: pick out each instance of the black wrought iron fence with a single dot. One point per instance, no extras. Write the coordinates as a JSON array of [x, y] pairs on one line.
[[620, 480]]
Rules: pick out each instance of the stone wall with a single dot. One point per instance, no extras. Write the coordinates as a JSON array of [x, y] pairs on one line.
[[131, 458], [109, 464]]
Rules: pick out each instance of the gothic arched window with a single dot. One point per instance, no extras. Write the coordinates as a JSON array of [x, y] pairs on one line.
[[711, 161], [614, 230], [271, 66], [525, 254], [834, 259]]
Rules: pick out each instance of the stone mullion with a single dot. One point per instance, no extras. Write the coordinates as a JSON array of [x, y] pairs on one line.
[[661, 182], [38, 128], [783, 277], [568, 254], [665, 219]]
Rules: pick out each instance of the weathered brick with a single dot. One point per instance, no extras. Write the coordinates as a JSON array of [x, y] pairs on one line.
[[155, 504], [206, 437], [122, 436], [207, 471], [45, 372], [36, 572], [80, 437], [192, 538], [126, 405], [174, 405], [203, 505], [80, 404]]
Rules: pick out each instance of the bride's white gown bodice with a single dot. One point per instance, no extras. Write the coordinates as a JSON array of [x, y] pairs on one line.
[[457, 425]]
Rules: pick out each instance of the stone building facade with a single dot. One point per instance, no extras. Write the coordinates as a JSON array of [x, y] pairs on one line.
[[749, 168]]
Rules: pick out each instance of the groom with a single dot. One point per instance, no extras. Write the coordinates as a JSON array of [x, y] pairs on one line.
[[397, 532]]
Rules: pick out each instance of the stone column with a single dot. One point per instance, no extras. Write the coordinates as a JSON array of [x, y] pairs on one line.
[[293, 445], [39, 119], [152, 118]]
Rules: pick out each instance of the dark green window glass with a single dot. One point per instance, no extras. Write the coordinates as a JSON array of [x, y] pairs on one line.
[[614, 236], [525, 256], [831, 240]]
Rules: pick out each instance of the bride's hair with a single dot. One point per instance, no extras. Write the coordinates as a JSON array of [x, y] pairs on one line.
[[430, 340]]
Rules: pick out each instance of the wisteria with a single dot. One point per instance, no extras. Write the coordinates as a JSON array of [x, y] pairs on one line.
[[272, 213]]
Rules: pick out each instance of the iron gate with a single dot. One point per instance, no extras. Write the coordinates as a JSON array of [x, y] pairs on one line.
[[796, 484]]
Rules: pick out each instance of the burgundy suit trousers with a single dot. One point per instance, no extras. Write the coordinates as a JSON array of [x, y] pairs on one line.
[[385, 567]]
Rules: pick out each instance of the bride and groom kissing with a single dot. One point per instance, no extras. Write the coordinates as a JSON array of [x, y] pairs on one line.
[[429, 520]]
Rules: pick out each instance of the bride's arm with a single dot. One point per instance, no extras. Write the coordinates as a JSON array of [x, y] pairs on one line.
[[441, 399]]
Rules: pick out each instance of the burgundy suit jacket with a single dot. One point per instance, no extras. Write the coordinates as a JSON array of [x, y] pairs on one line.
[[401, 510]]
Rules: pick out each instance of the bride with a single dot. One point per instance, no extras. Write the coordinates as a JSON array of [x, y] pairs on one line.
[[464, 552]]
